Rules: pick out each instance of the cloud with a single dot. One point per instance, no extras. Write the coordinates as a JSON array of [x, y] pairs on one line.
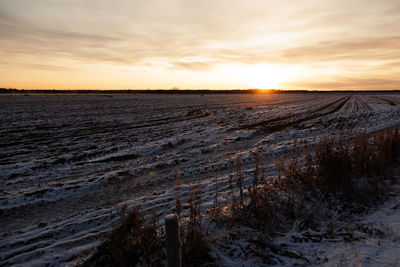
[[347, 83], [369, 48], [50, 67], [199, 36], [177, 30], [195, 65]]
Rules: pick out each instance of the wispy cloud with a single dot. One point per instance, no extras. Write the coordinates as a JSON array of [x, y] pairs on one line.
[[348, 83], [195, 65], [358, 49], [51, 67]]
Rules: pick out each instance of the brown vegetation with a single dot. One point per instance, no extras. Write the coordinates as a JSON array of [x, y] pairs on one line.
[[134, 241], [194, 244], [356, 169], [344, 174], [349, 173]]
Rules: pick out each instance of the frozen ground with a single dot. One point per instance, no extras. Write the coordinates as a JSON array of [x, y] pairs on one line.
[[378, 245], [67, 161]]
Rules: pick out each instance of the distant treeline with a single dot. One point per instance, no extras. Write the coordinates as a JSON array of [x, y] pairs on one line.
[[182, 91]]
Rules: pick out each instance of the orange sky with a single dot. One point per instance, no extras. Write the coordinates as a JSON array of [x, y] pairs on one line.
[[214, 44]]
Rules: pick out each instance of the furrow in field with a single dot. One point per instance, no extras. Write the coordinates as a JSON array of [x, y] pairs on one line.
[[58, 199], [279, 124]]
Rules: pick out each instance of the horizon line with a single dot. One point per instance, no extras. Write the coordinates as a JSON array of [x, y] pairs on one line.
[[175, 90]]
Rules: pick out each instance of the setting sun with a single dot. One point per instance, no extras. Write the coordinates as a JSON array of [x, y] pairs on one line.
[[262, 76], [266, 76]]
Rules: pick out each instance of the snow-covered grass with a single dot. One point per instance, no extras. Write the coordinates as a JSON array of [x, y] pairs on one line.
[[283, 204]]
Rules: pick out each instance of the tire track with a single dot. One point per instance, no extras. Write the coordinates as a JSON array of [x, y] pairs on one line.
[[279, 124], [387, 101]]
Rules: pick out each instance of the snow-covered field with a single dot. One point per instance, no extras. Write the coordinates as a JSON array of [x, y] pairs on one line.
[[66, 161]]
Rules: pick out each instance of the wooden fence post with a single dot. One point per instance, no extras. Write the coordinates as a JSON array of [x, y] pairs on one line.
[[173, 241]]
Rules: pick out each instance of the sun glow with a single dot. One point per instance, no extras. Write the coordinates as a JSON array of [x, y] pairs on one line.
[[265, 76], [261, 76]]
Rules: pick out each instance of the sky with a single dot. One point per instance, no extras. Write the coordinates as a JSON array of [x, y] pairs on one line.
[[211, 44]]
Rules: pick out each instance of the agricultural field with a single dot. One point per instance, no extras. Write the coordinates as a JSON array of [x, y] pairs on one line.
[[68, 161]]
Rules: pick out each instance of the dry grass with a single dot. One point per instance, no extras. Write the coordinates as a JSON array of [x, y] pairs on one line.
[[339, 170], [139, 241], [178, 204], [215, 212], [134, 241], [352, 174], [195, 247], [353, 170]]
